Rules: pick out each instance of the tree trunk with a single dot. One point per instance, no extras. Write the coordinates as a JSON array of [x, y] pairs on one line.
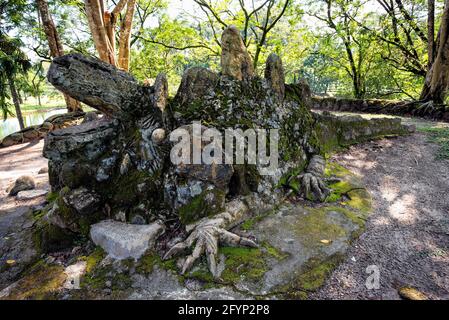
[[72, 104], [125, 36], [102, 26], [95, 18], [15, 99], [431, 32], [20, 97], [54, 42], [437, 77]]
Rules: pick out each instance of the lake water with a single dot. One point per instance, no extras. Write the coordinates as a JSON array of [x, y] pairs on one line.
[[11, 125]]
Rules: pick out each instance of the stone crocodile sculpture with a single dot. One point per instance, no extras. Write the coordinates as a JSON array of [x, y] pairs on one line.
[[118, 167]]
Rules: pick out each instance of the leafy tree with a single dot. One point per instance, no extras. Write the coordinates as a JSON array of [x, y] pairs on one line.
[[12, 61], [256, 20], [55, 45]]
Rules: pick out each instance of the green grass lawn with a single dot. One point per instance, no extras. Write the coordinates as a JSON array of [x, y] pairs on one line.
[[31, 105]]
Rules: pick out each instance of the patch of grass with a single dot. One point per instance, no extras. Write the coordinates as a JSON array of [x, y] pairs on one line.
[[33, 106], [439, 136]]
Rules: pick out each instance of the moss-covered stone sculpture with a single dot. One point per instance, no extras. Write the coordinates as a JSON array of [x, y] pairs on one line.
[[118, 167]]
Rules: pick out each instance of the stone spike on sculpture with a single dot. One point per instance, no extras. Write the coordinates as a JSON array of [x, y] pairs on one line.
[[274, 74], [235, 60]]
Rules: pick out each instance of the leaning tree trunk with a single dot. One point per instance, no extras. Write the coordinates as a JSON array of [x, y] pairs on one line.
[[15, 99], [437, 78], [56, 49]]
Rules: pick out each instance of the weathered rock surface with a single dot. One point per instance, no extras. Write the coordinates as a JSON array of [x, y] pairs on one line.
[[160, 99], [90, 116], [376, 106], [37, 132], [21, 184], [235, 60], [43, 170], [83, 201], [309, 238], [274, 73], [164, 285], [335, 130], [121, 240], [31, 194], [195, 83], [86, 86], [74, 273], [16, 244], [89, 137]]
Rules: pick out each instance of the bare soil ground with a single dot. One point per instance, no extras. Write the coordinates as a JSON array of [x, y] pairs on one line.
[[16, 161], [407, 235]]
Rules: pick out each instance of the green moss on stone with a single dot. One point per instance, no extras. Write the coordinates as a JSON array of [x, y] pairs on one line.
[[146, 263], [96, 275], [41, 281], [273, 251], [52, 196], [208, 203], [247, 263], [359, 199], [94, 259], [348, 187], [315, 272], [48, 238], [336, 170], [315, 226]]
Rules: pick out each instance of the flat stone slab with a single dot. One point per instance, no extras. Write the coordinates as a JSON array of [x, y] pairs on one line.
[[164, 285], [122, 240], [31, 194], [312, 240]]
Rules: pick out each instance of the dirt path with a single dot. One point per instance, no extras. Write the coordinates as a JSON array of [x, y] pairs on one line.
[[15, 219], [16, 161], [407, 235]]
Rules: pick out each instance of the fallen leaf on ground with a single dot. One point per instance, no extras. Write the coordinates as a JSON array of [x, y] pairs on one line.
[[411, 294]]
